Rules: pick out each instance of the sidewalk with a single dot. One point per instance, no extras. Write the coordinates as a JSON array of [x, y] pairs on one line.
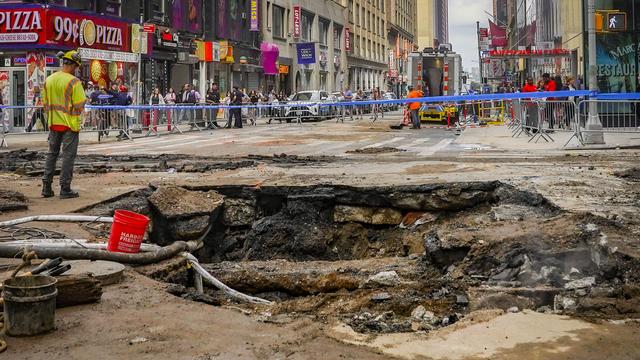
[[500, 138]]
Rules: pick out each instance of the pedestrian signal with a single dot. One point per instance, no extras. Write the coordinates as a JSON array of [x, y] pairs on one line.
[[616, 21]]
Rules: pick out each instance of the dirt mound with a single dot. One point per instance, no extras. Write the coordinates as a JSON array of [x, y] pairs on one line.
[[12, 201], [376, 150], [632, 174]]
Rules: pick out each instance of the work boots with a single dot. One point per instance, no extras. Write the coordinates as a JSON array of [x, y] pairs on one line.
[[47, 191], [67, 193]]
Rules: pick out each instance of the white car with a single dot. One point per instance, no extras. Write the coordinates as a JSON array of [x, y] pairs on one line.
[[307, 105]]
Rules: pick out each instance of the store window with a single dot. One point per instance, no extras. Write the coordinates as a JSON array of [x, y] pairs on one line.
[[278, 22]]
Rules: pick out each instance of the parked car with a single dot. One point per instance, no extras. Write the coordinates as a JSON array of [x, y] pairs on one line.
[[307, 105], [390, 106]]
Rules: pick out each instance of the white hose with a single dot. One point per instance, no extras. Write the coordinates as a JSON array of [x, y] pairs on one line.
[[58, 218], [75, 243], [217, 283]]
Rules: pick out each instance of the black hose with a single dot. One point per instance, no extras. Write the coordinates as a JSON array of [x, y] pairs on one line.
[[167, 252]]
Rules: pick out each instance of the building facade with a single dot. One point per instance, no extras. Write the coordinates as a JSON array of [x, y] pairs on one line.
[[367, 58], [290, 27], [401, 30], [102, 32]]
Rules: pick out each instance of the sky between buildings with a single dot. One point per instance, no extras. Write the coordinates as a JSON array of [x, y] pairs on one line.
[[463, 15]]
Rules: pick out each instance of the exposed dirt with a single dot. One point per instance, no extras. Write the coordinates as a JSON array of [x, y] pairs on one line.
[[12, 201], [453, 253], [449, 248], [632, 174], [376, 150]]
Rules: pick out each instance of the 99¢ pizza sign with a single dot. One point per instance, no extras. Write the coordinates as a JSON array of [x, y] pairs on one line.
[[79, 30], [68, 29]]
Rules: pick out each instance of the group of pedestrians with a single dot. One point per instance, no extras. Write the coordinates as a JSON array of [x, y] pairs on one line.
[[558, 112], [230, 105]]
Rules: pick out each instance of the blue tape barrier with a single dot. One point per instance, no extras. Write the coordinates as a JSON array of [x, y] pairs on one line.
[[435, 99]]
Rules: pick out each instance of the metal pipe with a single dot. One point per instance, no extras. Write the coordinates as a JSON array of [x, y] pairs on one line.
[[46, 251], [58, 218]]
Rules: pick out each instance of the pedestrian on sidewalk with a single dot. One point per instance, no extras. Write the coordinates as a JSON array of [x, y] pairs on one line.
[[414, 107], [38, 113], [376, 96], [156, 100], [64, 101], [236, 100], [213, 99]]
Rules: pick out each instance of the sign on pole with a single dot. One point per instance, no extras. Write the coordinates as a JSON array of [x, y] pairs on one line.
[[297, 14], [254, 16]]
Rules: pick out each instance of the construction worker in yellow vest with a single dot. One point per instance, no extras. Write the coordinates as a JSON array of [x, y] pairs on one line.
[[64, 101]]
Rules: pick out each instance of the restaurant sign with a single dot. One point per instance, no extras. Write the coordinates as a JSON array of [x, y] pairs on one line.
[[63, 28]]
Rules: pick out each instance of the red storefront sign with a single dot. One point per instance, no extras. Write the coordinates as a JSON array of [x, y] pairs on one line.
[[347, 40], [297, 14], [22, 26], [62, 28], [516, 53]]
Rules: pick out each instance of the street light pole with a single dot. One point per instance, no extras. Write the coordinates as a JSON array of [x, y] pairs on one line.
[[480, 55], [594, 133]]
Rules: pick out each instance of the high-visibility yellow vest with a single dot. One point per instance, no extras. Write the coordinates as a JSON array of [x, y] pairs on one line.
[[64, 99]]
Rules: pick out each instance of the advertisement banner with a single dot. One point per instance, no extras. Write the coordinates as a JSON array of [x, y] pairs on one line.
[[254, 16], [347, 40], [306, 53], [617, 56], [186, 15], [297, 14], [35, 82], [498, 35]]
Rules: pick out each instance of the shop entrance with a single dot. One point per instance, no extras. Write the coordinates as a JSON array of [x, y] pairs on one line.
[[13, 88]]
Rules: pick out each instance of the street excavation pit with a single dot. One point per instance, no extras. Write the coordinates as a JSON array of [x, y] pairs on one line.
[[392, 259]]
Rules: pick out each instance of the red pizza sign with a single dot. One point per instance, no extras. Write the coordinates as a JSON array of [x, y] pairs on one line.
[[22, 26], [80, 30], [68, 29]]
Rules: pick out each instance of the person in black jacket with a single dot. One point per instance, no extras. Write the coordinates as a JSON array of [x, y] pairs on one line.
[[236, 113], [187, 97], [122, 98], [213, 98]]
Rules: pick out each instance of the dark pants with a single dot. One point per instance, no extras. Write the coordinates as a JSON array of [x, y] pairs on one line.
[[237, 115], [38, 114], [415, 121], [213, 116], [69, 142]]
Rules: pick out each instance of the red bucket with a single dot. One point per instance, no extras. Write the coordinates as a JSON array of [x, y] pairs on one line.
[[127, 232]]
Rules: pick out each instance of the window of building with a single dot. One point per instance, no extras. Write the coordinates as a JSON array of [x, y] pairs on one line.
[[278, 22], [351, 19], [358, 16], [306, 26], [337, 36], [323, 31]]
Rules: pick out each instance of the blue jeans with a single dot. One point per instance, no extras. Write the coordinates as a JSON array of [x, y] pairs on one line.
[[415, 121]]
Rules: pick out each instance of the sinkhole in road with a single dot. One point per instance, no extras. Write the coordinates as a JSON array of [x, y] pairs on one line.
[[391, 258]]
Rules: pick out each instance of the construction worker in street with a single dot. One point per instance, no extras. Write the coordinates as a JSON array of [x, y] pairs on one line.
[[414, 107], [64, 99]]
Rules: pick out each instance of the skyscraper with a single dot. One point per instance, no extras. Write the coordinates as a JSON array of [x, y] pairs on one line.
[[433, 24]]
